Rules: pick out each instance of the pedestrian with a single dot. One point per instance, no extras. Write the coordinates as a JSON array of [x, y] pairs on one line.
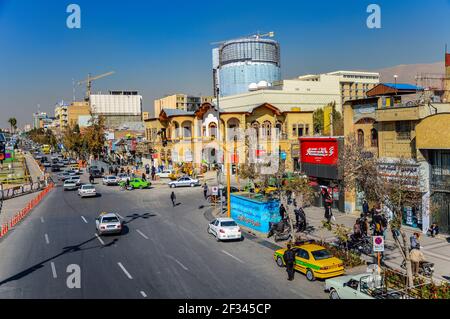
[[91, 179], [327, 201], [365, 208], [414, 239], [282, 212], [102, 170], [289, 260], [144, 178], [153, 173], [205, 191], [147, 169], [433, 230], [128, 171], [117, 171], [173, 198], [416, 257]]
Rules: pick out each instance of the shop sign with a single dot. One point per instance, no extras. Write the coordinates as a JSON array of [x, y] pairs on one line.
[[319, 151]]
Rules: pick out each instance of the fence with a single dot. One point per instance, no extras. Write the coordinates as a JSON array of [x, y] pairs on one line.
[[24, 212], [22, 190]]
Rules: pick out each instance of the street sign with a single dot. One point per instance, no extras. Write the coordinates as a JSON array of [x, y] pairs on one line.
[[378, 244], [215, 190]]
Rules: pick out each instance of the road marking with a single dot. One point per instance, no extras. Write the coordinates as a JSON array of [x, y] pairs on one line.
[[125, 271], [120, 216], [143, 294], [178, 262], [141, 233], [42, 220], [234, 257], [84, 219], [52, 264], [98, 237], [46, 239]]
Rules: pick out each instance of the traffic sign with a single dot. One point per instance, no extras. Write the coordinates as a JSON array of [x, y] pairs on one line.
[[215, 191], [378, 244]]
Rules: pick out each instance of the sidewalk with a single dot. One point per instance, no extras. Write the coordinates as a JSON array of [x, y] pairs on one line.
[[33, 168], [436, 250], [14, 205]]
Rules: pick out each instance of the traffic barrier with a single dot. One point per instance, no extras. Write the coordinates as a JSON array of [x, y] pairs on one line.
[[24, 212]]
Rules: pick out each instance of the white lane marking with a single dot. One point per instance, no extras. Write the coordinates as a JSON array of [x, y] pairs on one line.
[[178, 262], [125, 271], [120, 216], [42, 220], [98, 237], [52, 264], [143, 294], [46, 239], [234, 257], [142, 234], [84, 219]]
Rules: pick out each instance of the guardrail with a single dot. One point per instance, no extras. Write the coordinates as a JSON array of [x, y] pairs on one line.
[[22, 190], [5, 228]]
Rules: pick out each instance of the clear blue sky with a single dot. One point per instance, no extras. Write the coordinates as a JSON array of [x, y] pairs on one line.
[[160, 47]]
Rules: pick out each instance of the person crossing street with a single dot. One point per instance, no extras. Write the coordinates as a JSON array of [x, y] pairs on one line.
[[173, 198]]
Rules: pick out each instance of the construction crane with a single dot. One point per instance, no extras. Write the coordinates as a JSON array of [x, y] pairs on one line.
[[256, 36], [89, 80]]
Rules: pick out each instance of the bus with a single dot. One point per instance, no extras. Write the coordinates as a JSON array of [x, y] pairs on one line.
[[46, 149]]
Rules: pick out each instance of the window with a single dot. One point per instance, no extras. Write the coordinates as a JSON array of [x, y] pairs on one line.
[[321, 254], [403, 130], [374, 138], [360, 138], [302, 254]]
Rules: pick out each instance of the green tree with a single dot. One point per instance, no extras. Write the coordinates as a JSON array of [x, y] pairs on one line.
[[318, 121], [94, 136], [13, 124]]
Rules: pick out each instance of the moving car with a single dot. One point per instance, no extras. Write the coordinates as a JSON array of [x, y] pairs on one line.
[[87, 190], [184, 181], [165, 173], [108, 223], [96, 173], [72, 161], [313, 260], [123, 177], [360, 286], [111, 180], [224, 229], [56, 168], [136, 183], [70, 184]]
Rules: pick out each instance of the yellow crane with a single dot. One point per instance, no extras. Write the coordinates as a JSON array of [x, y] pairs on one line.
[[89, 80]]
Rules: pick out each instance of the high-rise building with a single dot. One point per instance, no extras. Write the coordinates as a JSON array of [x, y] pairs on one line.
[[180, 102], [61, 115], [40, 119], [241, 63]]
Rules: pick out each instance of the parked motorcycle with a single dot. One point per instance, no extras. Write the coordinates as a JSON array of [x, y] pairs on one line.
[[426, 268], [280, 231]]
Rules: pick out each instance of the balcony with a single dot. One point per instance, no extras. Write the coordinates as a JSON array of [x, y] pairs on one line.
[[440, 178]]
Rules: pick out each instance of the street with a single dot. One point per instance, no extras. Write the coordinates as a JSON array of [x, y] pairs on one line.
[[164, 252]]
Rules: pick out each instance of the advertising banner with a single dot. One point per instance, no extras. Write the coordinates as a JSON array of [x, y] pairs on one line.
[[322, 151]]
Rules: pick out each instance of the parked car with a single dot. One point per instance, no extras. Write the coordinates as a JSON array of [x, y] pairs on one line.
[[184, 182], [224, 229], [164, 174], [108, 223], [136, 183], [313, 260], [72, 161], [360, 286], [123, 177], [111, 180], [55, 168], [87, 190]]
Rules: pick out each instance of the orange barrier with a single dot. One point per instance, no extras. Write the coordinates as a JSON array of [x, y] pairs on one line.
[[24, 212]]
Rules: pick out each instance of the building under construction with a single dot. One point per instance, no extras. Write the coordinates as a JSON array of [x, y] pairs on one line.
[[437, 83]]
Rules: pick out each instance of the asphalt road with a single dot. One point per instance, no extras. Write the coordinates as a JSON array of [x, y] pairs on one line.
[[164, 252]]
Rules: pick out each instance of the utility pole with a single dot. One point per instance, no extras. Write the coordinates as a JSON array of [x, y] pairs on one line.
[[219, 180]]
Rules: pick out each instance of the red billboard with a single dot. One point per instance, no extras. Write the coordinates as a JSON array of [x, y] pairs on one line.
[[323, 151]]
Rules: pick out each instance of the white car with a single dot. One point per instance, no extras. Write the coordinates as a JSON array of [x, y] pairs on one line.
[[123, 177], [111, 180], [70, 184], [164, 174], [87, 190], [108, 223], [224, 229], [184, 181]]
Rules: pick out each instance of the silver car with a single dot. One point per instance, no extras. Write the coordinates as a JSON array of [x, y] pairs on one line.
[[184, 181], [71, 184], [108, 223], [111, 180], [87, 190]]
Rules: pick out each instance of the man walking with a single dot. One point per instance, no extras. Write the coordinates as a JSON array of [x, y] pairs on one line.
[[282, 212], [416, 257], [205, 191], [289, 260], [153, 173], [173, 198]]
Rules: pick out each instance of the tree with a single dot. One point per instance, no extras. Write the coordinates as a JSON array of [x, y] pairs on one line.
[[73, 141], [395, 192], [318, 121], [94, 136], [13, 123]]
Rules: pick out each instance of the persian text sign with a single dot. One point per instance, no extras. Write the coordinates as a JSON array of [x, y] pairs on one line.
[[319, 151]]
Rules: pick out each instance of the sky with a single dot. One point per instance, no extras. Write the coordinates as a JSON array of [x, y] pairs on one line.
[[164, 47]]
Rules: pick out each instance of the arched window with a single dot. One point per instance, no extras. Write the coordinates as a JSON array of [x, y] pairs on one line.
[[266, 128], [374, 138], [360, 138], [256, 126], [213, 130], [176, 130]]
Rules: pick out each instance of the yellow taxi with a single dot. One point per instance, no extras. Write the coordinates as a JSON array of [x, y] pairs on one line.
[[313, 260], [268, 190]]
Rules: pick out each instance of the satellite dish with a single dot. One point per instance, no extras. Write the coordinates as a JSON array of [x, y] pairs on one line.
[[253, 87]]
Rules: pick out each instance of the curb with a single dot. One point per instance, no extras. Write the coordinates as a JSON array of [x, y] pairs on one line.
[[5, 228]]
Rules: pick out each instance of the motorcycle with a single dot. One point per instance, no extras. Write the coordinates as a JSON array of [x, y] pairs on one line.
[[357, 245], [426, 268], [281, 230]]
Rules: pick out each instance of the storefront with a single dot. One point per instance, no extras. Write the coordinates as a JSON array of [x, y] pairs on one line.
[[319, 157]]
